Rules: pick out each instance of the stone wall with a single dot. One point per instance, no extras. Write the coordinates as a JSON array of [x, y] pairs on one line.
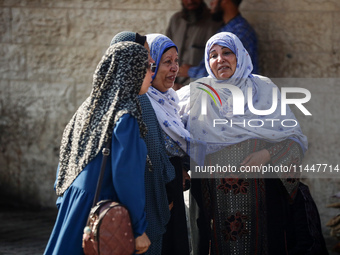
[[49, 51], [296, 38]]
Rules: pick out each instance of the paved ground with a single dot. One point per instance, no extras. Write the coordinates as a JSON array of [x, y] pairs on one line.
[[24, 231]]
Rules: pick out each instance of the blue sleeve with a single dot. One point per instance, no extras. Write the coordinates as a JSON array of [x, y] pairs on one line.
[[250, 43], [199, 71], [128, 168], [242, 29]]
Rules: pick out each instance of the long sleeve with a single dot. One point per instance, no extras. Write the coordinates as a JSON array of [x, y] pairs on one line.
[[128, 168], [245, 32], [287, 153]]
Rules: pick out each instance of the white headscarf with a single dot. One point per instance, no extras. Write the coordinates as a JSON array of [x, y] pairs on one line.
[[165, 104], [201, 126]]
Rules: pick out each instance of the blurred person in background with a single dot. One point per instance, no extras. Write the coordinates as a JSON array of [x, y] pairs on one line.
[[190, 29], [229, 13]]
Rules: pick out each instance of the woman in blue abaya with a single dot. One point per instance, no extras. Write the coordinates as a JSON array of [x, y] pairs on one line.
[[111, 114], [162, 173]]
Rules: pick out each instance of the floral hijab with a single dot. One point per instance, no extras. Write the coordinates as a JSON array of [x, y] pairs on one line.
[[116, 84], [165, 104], [158, 44], [246, 126]]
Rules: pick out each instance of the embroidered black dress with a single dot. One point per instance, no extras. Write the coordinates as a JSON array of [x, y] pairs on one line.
[[237, 211]]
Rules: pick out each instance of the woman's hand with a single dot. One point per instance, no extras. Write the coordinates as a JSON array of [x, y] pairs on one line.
[[186, 176], [142, 244], [258, 158], [171, 205], [183, 70]]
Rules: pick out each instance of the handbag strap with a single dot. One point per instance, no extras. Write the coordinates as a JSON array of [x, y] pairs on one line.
[[106, 153]]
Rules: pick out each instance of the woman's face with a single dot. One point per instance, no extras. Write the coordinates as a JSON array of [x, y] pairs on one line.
[[222, 62], [167, 70]]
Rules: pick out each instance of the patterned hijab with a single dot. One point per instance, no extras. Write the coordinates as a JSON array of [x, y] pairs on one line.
[[165, 104], [201, 126], [127, 36], [116, 84]]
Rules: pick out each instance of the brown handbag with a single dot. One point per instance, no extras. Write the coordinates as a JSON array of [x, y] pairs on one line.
[[108, 229]]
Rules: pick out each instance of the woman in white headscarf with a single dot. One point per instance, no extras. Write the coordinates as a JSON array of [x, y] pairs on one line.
[[242, 213]]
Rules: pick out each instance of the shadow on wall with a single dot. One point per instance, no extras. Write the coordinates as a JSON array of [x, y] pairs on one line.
[[23, 173]]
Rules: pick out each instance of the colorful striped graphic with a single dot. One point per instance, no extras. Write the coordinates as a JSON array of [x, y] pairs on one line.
[[209, 93]]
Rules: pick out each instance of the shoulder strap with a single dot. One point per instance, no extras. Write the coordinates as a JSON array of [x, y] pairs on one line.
[[106, 153]]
